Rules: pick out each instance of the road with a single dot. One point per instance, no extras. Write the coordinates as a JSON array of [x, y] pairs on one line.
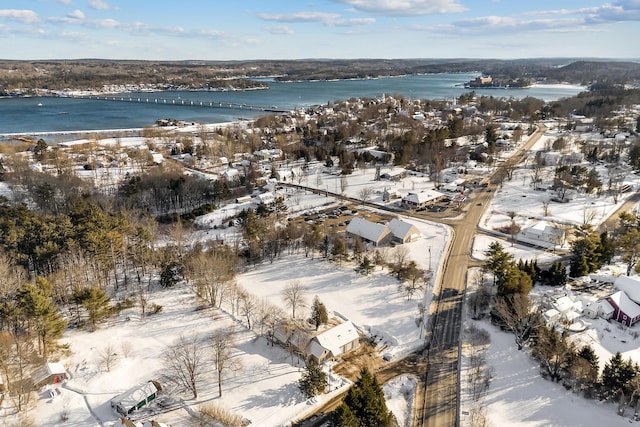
[[438, 396]]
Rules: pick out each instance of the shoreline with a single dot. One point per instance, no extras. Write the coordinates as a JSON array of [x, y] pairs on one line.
[[114, 133]]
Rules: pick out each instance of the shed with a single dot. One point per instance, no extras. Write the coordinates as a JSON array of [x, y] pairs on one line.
[[136, 397], [403, 232], [625, 310], [50, 373], [369, 231], [334, 342]]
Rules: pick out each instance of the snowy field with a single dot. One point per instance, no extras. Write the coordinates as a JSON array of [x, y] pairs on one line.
[[263, 388]]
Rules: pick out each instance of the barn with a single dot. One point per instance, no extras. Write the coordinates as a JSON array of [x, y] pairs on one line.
[[625, 310]]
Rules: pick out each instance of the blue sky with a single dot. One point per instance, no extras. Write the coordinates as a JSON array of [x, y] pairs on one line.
[[294, 29]]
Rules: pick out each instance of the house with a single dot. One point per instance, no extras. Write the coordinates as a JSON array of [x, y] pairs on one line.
[[421, 199], [375, 233], [625, 310], [334, 342], [630, 286], [600, 308], [291, 337], [403, 232], [136, 397], [544, 234], [50, 373]]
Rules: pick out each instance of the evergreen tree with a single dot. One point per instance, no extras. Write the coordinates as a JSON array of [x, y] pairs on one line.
[[515, 281], [41, 315], [313, 381], [366, 400], [366, 266], [344, 417], [617, 373], [95, 301], [319, 314], [498, 262]]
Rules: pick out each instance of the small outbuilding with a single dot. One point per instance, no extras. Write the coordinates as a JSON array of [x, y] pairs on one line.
[[136, 398], [50, 373]]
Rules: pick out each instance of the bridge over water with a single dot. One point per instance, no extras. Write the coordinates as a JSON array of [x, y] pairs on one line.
[[184, 102]]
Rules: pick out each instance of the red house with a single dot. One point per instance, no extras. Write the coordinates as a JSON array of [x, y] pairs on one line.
[[625, 310]]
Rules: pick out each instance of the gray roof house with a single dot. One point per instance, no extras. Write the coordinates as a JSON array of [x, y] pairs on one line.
[[334, 342], [369, 231], [403, 232]]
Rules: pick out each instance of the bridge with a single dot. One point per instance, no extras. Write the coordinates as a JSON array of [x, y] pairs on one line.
[[183, 102]]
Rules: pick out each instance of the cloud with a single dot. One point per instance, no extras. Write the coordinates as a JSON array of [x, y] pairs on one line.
[[300, 17], [67, 2], [76, 14], [21, 15], [327, 19], [279, 30], [100, 5], [405, 7]]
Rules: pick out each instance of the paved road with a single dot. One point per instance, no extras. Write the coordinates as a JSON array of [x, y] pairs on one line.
[[437, 400]]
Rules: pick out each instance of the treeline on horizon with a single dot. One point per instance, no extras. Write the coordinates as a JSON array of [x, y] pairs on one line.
[[94, 73]]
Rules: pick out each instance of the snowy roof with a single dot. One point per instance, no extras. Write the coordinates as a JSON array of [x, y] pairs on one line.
[[563, 304], [625, 304], [333, 339], [371, 231], [423, 196], [630, 286], [132, 397], [53, 368], [402, 229], [543, 227]]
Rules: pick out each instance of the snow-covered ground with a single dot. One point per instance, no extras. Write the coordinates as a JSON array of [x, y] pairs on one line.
[[264, 389]]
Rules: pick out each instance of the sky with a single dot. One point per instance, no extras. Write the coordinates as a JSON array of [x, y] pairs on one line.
[[294, 29]]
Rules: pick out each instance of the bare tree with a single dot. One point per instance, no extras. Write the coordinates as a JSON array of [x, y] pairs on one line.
[[185, 362], [515, 315], [17, 358], [365, 193], [293, 296], [344, 183], [248, 307], [108, 357], [221, 345]]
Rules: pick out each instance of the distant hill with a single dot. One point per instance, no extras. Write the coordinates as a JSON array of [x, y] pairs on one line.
[[194, 74]]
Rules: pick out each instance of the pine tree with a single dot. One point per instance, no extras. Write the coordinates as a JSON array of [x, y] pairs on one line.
[[313, 381], [366, 400], [319, 314], [617, 373], [344, 417]]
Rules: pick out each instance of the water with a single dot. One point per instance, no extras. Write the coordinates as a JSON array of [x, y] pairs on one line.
[[25, 115]]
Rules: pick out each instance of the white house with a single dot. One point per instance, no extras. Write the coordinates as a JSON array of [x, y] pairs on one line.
[[403, 232], [334, 342], [369, 231], [544, 234], [416, 200], [600, 308]]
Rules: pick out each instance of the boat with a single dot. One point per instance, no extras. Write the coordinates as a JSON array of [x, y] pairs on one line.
[[39, 104]]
